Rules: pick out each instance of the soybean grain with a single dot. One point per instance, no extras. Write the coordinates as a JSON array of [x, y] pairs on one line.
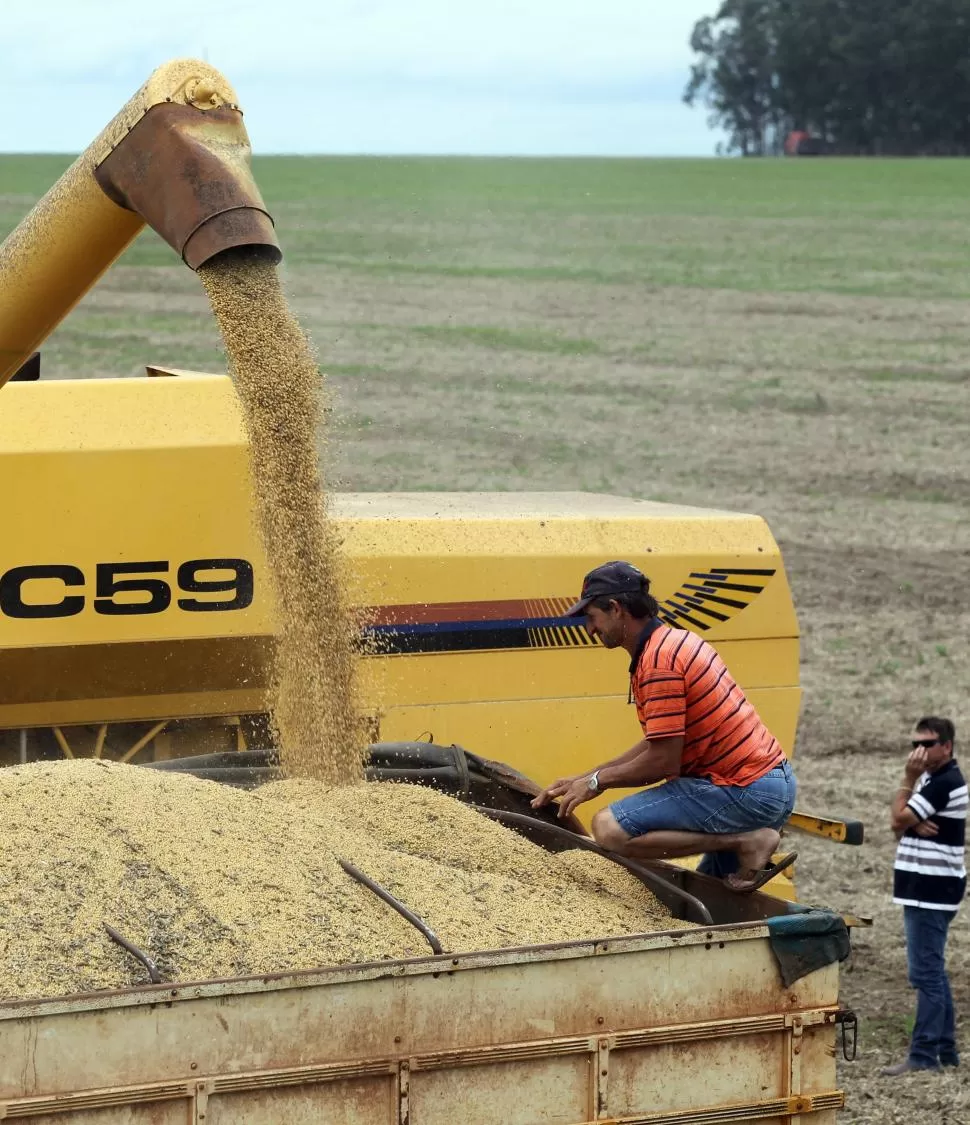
[[214, 882]]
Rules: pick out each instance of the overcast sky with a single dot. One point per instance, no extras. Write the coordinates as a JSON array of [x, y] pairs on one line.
[[599, 77]]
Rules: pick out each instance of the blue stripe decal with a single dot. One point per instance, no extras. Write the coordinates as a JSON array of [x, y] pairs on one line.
[[476, 626]]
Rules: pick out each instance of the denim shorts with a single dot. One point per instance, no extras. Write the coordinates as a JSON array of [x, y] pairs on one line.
[[694, 804]]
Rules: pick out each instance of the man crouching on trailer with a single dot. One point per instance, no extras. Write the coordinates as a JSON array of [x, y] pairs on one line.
[[729, 787]]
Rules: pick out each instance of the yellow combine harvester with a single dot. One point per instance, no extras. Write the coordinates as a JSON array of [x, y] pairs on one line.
[[135, 613]]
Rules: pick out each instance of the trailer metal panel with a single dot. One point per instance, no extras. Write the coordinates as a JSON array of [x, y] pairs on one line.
[[685, 1027]]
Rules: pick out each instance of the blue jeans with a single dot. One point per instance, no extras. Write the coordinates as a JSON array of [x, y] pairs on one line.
[[934, 1036], [694, 804]]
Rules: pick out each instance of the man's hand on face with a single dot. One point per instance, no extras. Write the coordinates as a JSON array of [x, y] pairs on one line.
[[551, 792], [916, 764], [927, 829]]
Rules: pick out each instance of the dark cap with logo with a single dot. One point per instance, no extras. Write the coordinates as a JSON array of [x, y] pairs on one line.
[[607, 581]]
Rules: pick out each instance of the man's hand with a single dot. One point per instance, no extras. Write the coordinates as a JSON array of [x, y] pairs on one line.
[[927, 829], [903, 818], [577, 793], [551, 792], [916, 765], [573, 791]]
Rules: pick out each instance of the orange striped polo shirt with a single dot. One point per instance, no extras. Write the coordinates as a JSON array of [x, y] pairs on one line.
[[682, 687]]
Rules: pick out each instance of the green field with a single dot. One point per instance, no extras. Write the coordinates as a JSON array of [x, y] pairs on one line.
[[786, 337], [880, 228]]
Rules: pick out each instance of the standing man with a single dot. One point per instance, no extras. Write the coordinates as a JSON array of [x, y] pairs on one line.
[[929, 817], [729, 787]]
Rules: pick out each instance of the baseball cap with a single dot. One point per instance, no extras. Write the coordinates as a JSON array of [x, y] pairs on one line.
[[608, 580]]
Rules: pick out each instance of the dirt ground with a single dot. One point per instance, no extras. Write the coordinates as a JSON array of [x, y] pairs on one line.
[[841, 418]]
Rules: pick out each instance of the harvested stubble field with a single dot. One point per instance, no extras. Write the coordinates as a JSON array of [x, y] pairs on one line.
[[789, 338]]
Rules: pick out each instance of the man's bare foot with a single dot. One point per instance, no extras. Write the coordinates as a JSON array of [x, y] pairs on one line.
[[756, 848], [754, 853]]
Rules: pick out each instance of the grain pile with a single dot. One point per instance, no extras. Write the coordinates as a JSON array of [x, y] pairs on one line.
[[476, 883], [313, 696], [213, 882]]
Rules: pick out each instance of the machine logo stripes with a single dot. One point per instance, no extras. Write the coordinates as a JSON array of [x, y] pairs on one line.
[[703, 601], [717, 594]]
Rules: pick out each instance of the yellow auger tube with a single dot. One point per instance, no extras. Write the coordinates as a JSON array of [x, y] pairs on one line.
[[175, 157]]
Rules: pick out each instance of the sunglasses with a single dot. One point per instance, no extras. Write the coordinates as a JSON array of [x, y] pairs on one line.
[[918, 744]]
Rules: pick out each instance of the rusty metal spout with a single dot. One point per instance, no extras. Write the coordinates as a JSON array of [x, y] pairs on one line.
[[186, 172], [175, 156]]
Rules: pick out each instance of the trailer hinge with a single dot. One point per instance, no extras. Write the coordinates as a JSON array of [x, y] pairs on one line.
[[848, 1023], [404, 1092], [200, 1102], [601, 1060]]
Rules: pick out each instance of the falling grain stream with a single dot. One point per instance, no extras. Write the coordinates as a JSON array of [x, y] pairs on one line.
[[283, 395]]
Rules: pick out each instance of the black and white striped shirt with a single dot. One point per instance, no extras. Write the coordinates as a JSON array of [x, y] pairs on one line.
[[930, 872]]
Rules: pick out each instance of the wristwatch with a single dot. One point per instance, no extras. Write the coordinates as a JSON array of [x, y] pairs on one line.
[[593, 785]]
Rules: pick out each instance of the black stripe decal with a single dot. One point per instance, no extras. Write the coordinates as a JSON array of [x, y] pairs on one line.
[[720, 585], [697, 606], [674, 612], [733, 602], [739, 570]]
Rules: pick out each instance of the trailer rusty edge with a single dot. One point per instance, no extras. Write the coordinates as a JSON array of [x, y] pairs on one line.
[[449, 963]]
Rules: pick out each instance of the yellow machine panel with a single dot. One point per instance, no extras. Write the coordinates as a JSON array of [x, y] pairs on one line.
[[133, 590]]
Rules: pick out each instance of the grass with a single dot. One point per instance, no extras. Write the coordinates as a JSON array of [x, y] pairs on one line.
[[916, 375], [756, 226], [876, 228], [502, 339]]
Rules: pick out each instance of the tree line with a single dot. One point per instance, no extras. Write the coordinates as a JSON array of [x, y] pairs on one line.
[[867, 77]]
